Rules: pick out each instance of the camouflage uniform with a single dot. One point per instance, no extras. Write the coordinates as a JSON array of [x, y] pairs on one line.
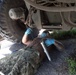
[[24, 62], [27, 63]]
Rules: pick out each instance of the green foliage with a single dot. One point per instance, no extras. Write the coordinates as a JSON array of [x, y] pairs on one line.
[[64, 34], [72, 66]]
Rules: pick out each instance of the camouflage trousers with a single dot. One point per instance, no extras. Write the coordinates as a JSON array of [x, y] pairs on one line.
[[23, 62]]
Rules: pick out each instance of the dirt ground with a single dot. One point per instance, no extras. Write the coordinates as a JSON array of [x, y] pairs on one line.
[[58, 65]]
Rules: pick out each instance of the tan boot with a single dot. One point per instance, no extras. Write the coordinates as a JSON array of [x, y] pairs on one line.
[[59, 45]]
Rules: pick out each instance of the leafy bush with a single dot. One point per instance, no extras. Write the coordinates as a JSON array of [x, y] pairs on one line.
[[64, 34], [72, 66]]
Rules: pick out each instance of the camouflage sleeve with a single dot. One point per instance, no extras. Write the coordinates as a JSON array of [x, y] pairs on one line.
[[27, 63]]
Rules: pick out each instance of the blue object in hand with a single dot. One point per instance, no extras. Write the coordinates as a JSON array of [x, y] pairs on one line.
[[28, 31], [49, 42], [43, 35]]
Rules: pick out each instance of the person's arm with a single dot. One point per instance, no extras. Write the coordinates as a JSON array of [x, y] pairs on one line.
[[25, 39]]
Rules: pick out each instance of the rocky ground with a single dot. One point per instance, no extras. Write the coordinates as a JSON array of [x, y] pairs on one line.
[[58, 65]]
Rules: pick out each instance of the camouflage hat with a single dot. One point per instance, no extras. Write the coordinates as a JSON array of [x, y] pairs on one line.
[[16, 13]]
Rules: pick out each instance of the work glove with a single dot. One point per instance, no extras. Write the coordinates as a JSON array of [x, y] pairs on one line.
[[43, 35], [58, 44], [49, 42], [28, 31]]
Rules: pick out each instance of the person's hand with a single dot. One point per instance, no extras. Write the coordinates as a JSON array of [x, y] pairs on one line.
[[28, 31], [49, 42]]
